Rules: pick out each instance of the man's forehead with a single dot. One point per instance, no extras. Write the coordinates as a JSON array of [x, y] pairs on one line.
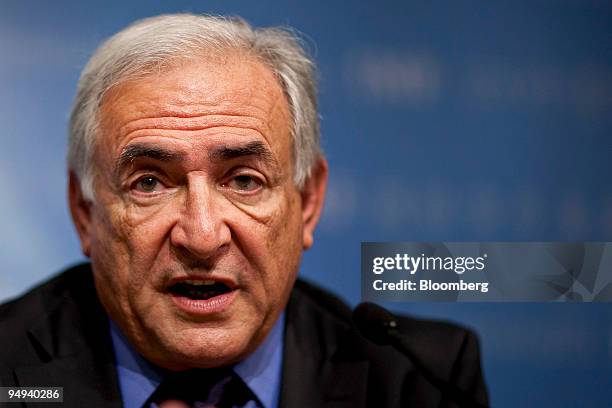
[[236, 92], [234, 82]]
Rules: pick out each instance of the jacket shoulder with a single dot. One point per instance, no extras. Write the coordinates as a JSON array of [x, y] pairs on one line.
[[451, 352], [436, 334], [39, 298], [19, 315]]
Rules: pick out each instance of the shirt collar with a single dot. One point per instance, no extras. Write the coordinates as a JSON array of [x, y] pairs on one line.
[[261, 371]]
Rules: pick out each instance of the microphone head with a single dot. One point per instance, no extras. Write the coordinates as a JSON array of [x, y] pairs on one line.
[[374, 322]]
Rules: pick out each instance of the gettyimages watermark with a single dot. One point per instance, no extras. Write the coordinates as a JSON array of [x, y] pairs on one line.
[[491, 271]]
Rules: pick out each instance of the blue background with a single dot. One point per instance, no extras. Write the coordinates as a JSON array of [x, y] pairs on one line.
[[442, 121]]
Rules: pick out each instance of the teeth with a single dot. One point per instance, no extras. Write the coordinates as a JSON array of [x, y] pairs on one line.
[[200, 282]]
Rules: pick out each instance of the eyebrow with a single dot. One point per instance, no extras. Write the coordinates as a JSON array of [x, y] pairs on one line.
[[256, 149], [135, 151], [132, 152]]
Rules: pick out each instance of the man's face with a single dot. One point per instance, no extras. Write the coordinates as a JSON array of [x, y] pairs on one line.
[[197, 229]]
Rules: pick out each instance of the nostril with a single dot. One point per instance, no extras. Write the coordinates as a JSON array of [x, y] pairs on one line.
[[201, 244]]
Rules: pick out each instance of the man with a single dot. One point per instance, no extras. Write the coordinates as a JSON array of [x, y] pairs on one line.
[[195, 182]]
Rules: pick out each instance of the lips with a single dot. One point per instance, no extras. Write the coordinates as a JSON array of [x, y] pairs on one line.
[[199, 289], [200, 296]]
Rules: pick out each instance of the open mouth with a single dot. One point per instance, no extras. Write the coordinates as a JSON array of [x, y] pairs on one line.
[[199, 289]]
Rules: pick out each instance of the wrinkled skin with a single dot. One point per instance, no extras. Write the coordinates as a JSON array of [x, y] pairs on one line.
[[190, 208]]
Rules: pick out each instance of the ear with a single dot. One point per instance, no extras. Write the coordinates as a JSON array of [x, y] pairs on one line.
[[313, 197], [80, 209]]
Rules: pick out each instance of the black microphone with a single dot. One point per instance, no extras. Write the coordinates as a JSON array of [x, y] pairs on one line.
[[380, 326]]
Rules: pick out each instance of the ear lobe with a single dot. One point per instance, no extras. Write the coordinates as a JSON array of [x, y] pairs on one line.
[[80, 209], [313, 197]]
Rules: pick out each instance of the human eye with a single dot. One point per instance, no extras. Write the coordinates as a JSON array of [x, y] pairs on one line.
[[244, 183], [147, 184]]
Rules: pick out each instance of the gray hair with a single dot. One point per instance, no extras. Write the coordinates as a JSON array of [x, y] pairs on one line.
[[151, 44]]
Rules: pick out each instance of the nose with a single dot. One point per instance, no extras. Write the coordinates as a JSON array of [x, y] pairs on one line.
[[201, 229]]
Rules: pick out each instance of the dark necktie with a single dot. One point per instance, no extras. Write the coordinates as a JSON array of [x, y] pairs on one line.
[[211, 388]]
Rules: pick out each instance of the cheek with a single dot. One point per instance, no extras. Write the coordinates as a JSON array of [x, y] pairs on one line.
[[110, 247], [109, 240], [143, 229], [283, 247], [126, 242], [109, 258]]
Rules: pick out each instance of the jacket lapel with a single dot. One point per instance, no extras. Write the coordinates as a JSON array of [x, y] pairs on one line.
[[345, 384], [72, 342], [322, 365], [83, 383]]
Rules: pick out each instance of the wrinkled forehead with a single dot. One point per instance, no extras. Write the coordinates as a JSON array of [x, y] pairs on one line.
[[211, 90]]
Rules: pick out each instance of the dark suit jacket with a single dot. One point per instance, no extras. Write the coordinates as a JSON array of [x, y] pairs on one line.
[[57, 335]]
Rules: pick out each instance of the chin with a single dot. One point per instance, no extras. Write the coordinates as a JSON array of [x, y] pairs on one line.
[[206, 348]]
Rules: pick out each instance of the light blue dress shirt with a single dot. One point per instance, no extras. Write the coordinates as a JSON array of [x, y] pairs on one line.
[[261, 371]]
